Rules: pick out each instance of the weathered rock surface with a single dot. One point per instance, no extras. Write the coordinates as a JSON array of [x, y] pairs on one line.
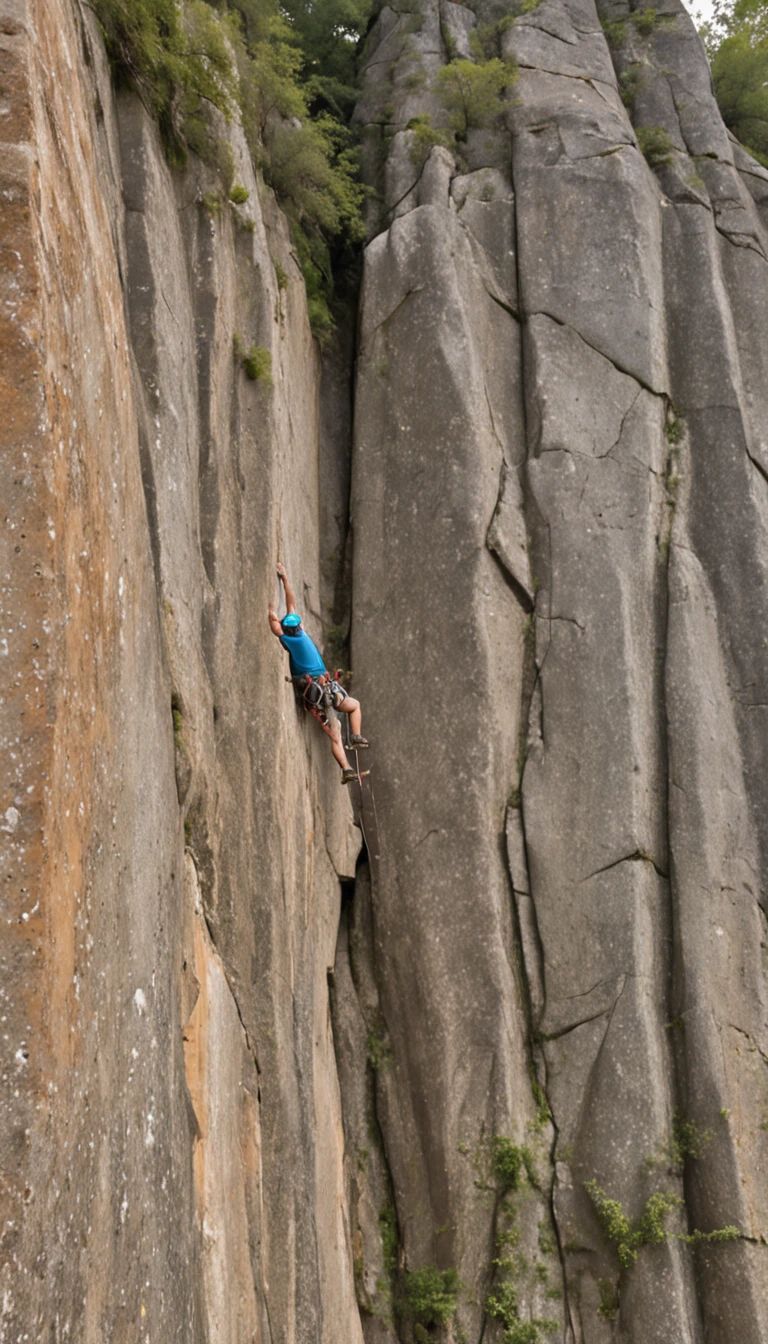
[[174, 836], [628, 404], [251, 1084]]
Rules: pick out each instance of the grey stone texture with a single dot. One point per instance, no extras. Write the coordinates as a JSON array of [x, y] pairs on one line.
[[174, 832], [629, 526], [257, 1075]]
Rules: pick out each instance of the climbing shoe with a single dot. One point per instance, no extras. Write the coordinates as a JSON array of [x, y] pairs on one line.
[[357, 742], [347, 776]]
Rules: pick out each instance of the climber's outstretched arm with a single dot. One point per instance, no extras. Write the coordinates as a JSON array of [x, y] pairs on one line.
[[290, 597], [274, 622]]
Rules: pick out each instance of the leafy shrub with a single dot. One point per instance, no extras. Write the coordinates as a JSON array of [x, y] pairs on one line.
[[688, 1139], [630, 1235], [508, 1162], [629, 84], [609, 1300], [256, 362], [656, 145], [615, 31], [173, 59], [431, 1295], [474, 95], [244, 56], [645, 20], [502, 1305], [425, 137], [239, 194]]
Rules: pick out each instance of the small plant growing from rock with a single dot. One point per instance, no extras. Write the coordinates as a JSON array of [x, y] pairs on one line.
[[256, 362], [674, 427], [281, 276], [377, 1049], [629, 1235], [431, 1296], [629, 84], [474, 95], [609, 1299], [645, 20], [508, 1162], [239, 194], [688, 1140], [615, 32], [425, 136], [212, 202], [502, 1306], [655, 145]]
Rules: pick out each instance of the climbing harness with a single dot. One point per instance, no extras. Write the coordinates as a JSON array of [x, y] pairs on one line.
[[320, 695]]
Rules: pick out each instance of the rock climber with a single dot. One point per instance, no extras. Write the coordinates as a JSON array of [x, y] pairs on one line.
[[320, 691]]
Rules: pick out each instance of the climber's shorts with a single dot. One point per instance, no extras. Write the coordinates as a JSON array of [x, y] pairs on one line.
[[338, 694]]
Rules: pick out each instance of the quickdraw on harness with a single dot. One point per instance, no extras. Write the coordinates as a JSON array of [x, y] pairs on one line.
[[318, 694]]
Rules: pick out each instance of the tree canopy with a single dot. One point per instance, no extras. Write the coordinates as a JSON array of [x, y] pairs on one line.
[[288, 70], [737, 45]]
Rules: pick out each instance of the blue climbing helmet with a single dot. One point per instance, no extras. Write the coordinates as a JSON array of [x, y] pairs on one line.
[[290, 621]]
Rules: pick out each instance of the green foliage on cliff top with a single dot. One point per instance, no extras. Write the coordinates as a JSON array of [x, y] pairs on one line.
[[287, 72], [736, 39], [171, 59]]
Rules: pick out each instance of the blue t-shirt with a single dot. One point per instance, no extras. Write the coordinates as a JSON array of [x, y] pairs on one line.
[[305, 655]]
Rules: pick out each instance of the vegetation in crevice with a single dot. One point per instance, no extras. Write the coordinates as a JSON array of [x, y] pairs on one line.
[[288, 73], [425, 137], [430, 1298], [674, 427], [644, 21], [377, 1047], [609, 1299], [506, 1171], [630, 83], [255, 361], [630, 1235], [474, 93], [655, 145], [689, 1140]]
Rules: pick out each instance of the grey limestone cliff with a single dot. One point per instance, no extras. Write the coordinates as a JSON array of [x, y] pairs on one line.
[[277, 1058]]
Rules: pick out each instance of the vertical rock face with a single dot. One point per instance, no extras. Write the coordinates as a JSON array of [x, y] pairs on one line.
[[257, 1087], [173, 836], [544, 303]]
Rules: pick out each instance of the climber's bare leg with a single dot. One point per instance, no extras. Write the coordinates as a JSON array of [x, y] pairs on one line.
[[352, 708], [334, 732]]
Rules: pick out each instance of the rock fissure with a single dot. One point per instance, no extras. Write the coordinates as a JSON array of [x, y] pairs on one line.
[[541, 312], [638, 856], [300, 1192], [227, 976]]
